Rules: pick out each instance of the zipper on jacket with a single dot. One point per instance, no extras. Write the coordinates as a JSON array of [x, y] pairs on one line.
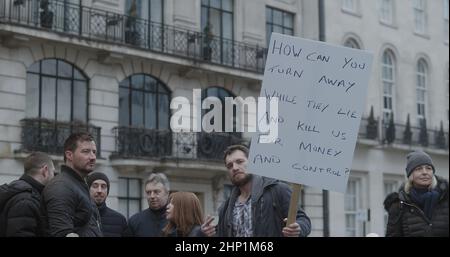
[[418, 209]]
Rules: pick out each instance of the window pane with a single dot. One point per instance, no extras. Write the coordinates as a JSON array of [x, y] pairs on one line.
[[163, 112], [123, 207], [80, 103], [123, 187], [49, 67], [214, 20], [32, 96], [137, 108], [150, 84], [137, 81], [124, 110], [156, 11], [277, 17], [63, 100], [268, 15], [288, 20], [135, 187], [64, 69], [150, 111], [227, 26], [134, 206], [227, 5], [215, 3], [48, 98], [77, 74]]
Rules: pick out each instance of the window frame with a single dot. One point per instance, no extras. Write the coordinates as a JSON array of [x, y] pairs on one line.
[[57, 77], [129, 198], [420, 16], [421, 89], [270, 24], [388, 82]]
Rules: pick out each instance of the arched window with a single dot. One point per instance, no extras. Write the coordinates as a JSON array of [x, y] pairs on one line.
[[56, 90], [220, 93], [144, 102], [352, 43], [388, 80], [421, 89]]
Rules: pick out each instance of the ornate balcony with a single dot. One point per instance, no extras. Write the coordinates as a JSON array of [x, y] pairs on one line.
[[94, 24], [154, 144], [49, 136]]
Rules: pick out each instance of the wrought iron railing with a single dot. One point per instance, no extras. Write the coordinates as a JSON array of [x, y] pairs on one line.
[[49, 136], [95, 24], [399, 134], [148, 143], [414, 136]]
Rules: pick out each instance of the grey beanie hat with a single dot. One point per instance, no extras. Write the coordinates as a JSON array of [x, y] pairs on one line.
[[95, 176], [415, 159]]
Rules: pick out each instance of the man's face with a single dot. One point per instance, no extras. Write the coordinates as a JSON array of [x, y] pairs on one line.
[[236, 164], [422, 176], [157, 196], [99, 191], [84, 157]]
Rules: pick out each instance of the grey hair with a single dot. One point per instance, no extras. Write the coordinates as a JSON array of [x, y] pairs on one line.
[[158, 178], [409, 184]]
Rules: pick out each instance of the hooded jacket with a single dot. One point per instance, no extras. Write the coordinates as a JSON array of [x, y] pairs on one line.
[[270, 200], [406, 219]]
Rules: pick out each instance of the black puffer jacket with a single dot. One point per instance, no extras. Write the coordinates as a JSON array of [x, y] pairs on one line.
[[114, 224], [270, 205], [406, 219], [21, 214], [68, 206]]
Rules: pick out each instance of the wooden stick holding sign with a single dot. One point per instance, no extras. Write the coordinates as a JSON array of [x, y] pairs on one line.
[[296, 188]]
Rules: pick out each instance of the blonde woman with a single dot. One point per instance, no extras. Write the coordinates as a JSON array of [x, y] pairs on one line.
[[184, 215]]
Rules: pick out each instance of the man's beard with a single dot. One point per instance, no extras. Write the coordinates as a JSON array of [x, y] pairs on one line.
[[242, 181]]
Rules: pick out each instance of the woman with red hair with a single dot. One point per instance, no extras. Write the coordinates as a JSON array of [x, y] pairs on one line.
[[185, 216]]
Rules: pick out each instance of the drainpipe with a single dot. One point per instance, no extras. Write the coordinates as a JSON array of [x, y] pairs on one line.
[[325, 197]]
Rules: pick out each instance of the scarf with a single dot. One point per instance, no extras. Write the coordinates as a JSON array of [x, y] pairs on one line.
[[426, 200]]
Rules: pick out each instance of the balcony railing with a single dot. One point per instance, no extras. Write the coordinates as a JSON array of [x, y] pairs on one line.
[[49, 136], [148, 143], [415, 136], [95, 24]]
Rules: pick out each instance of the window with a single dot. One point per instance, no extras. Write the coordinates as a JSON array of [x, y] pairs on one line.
[[221, 94], [146, 18], [130, 195], [56, 90], [388, 80], [217, 28], [352, 43], [352, 206], [421, 89], [278, 21], [419, 8], [387, 11], [144, 102], [350, 6]]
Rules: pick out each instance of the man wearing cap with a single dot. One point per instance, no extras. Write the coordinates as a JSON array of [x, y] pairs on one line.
[[420, 208], [113, 223]]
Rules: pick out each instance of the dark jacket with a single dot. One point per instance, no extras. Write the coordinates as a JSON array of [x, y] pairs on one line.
[[147, 223], [68, 206], [406, 219], [195, 232], [270, 206], [21, 214], [114, 224]]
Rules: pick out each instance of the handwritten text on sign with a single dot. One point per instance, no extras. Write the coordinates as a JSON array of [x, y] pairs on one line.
[[322, 91]]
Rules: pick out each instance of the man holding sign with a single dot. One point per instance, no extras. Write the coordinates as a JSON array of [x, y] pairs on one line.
[[258, 206]]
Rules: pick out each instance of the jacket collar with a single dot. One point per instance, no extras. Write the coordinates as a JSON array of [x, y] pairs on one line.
[[34, 183], [72, 173]]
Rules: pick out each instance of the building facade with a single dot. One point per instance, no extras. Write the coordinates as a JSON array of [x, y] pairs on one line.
[[113, 68]]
